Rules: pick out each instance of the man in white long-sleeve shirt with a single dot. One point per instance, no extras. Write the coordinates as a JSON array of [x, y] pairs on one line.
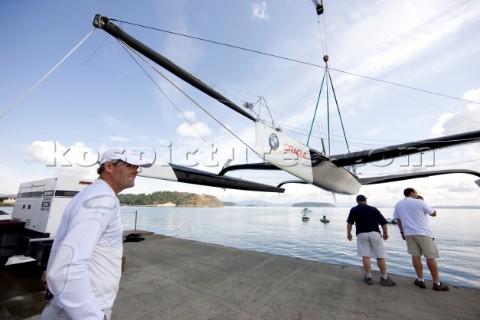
[[84, 267]]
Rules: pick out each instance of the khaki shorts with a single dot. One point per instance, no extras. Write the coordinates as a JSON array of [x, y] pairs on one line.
[[422, 245]]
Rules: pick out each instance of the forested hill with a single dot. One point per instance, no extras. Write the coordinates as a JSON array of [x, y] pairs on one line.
[[170, 198]]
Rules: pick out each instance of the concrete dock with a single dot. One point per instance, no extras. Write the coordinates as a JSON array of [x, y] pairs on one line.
[[170, 278]]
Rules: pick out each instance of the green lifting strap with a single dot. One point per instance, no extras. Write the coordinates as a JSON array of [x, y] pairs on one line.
[[316, 107]]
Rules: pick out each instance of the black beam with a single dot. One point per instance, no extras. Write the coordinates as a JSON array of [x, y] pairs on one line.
[[108, 26]]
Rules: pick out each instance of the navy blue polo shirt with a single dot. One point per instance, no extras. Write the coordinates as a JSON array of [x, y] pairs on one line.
[[366, 218]]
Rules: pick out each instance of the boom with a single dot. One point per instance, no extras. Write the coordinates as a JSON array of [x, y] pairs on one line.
[[108, 26]]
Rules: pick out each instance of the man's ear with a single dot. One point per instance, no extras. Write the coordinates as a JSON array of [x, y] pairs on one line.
[[108, 166]]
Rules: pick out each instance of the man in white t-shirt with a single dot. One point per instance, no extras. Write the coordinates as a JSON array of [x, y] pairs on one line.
[[412, 220], [85, 263]]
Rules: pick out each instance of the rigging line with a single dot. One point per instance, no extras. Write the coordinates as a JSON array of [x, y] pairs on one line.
[[164, 94], [455, 163], [328, 115], [323, 40], [190, 98], [320, 9], [316, 107], [226, 101], [261, 102], [339, 114], [363, 144], [325, 33], [320, 30], [373, 142], [29, 91], [95, 51], [220, 43], [296, 61], [455, 113], [322, 137], [405, 86]]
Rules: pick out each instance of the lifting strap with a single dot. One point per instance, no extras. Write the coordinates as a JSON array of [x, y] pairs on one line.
[[328, 77]]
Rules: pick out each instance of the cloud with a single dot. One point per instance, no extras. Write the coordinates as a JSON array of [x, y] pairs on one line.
[[165, 143], [190, 115], [198, 129], [185, 52], [119, 139], [428, 25], [123, 131], [53, 153], [75, 160], [466, 119], [472, 95], [439, 127], [259, 11]]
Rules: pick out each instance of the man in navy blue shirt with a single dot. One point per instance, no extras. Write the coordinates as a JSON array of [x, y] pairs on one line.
[[369, 240]]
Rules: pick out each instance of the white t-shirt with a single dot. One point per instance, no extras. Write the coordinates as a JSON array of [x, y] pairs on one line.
[[414, 216], [85, 263]]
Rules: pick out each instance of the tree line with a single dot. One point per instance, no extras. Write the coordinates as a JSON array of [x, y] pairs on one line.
[[158, 197]]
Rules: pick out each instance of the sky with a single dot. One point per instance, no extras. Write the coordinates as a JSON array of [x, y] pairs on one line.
[[400, 72]]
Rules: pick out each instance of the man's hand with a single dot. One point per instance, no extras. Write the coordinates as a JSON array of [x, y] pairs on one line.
[[349, 231], [44, 280]]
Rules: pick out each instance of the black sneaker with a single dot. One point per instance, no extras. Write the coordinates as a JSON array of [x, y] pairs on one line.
[[368, 281], [387, 282], [441, 287], [420, 284]]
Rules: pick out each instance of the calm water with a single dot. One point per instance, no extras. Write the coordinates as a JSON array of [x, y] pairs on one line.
[[281, 231]]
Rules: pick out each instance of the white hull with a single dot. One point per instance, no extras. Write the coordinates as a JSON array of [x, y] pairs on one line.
[[295, 158]]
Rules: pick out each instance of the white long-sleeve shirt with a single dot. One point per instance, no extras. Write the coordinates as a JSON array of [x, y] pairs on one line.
[[84, 267]]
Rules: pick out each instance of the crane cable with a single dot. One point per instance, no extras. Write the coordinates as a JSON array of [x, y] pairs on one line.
[[329, 83]]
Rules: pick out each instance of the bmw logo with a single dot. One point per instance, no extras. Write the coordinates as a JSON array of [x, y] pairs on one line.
[[273, 141]]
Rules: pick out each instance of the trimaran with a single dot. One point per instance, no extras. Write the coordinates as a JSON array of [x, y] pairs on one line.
[[281, 152]]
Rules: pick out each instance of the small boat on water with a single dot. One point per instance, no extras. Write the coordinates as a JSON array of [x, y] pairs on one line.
[[4, 216], [324, 219], [391, 221], [306, 214]]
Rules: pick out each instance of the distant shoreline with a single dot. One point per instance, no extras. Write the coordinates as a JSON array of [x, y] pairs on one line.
[[275, 206], [290, 206], [457, 207]]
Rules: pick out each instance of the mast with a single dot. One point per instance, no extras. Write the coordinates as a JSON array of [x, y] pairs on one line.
[[105, 24]]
